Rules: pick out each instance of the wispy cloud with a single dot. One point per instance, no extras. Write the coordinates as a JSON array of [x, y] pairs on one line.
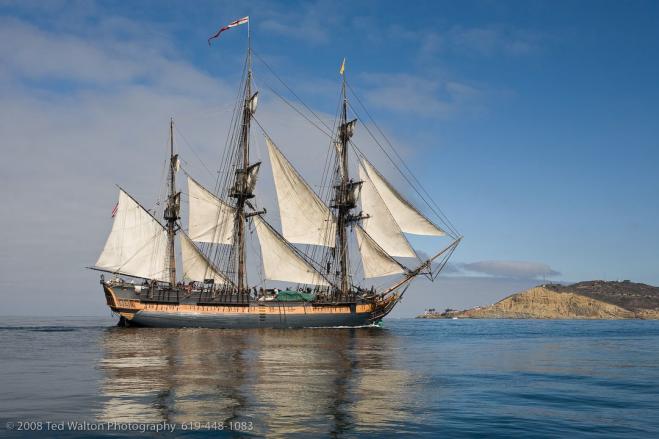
[[493, 40], [487, 40], [510, 269], [419, 95], [117, 60], [42, 54], [527, 270], [308, 21]]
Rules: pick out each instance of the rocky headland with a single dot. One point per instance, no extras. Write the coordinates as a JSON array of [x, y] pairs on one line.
[[583, 300]]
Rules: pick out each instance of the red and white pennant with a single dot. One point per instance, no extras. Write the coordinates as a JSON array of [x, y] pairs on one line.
[[229, 26]]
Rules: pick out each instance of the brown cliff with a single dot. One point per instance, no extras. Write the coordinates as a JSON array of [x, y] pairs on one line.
[[584, 300]]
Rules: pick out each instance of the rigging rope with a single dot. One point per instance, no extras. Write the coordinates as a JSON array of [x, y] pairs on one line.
[[443, 216], [185, 140], [416, 185]]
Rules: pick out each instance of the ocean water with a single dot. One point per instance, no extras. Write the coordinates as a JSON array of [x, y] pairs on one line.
[[435, 378]]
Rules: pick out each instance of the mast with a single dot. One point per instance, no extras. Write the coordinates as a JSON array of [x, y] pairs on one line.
[[343, 186], [172, 209], [241, 190], [346, 193]]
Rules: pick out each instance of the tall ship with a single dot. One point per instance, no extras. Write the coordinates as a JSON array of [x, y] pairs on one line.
[[160, 272]]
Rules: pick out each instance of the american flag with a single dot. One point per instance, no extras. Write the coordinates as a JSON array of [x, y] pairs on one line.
[[229, 26]]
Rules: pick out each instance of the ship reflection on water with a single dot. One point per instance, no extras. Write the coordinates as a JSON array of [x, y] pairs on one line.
[[283, 381]]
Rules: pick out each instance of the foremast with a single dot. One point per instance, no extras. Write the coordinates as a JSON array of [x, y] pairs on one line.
[[172, 209], [243, 186]]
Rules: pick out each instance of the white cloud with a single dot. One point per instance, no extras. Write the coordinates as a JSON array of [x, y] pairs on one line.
[[30, 53], [420, 96], [37, 54], [64, 147], [511, 269]]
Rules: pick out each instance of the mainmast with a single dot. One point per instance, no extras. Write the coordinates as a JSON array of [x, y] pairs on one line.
[[172, 209], [242, 190]]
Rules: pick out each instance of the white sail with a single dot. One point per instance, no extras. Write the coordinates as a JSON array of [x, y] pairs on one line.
[[280, 262], [137, 244], [408, 218], [196, 266], [210, 219], [375, 261], [381, 225], [305, 219]]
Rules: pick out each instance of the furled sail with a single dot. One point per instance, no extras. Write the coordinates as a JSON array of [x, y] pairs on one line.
[[280, 261], [375, 261], [305, 219], [210, 219], [408, 218], [196, 266], [245, 181], [253, 102], [137, 243], [252, 174], [381, 225]]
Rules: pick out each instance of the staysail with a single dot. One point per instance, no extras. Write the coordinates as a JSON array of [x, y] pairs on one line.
[[408, 218], [280, 262], [196, 266], [380, 224], [210, 219], [375, 261], [305, 219], [137, 243]]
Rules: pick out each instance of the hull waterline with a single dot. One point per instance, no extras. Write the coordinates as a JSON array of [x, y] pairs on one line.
[[243, 320]]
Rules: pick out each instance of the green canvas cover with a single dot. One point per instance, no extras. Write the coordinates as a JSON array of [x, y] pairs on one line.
[[294, 296]]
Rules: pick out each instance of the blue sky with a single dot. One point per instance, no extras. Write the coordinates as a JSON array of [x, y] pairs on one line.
[[534, 124]]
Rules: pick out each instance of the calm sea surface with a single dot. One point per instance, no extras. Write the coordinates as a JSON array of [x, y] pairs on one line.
[[441, 378]]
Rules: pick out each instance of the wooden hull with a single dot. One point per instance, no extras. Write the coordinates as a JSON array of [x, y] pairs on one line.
[[136, 311], [246, 320]]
